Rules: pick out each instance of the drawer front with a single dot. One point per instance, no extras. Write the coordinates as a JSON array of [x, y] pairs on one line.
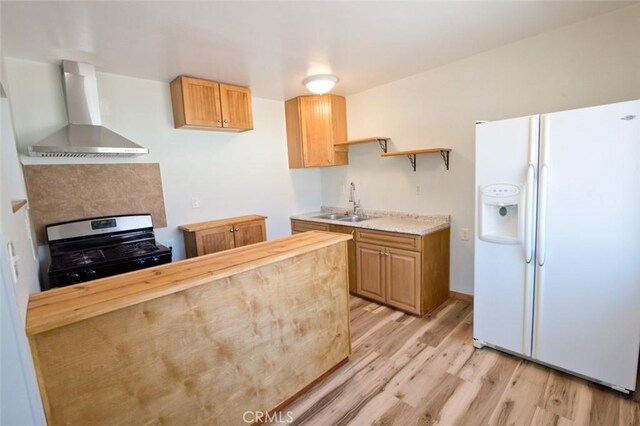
[[389, 239], [298, 226]]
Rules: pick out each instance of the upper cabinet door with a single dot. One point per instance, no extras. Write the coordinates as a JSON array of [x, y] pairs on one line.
[[314, 123], [317, 139], [201, 102], [236, 107]]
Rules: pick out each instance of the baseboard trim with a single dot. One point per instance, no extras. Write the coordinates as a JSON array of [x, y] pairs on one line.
[[461, 296]]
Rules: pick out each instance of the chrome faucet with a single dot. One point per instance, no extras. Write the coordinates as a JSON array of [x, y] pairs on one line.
[[352, 199]]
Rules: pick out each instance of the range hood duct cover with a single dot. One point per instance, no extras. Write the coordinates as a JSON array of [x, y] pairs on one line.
[[84, 136]]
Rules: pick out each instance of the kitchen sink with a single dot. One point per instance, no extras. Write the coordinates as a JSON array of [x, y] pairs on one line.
[[353, 218], [333, 216]]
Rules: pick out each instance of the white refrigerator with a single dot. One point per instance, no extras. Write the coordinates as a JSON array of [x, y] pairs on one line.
[[557, 241]]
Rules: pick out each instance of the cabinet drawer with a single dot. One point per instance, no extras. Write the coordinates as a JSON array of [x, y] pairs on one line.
[[298, 226], [389, 239]]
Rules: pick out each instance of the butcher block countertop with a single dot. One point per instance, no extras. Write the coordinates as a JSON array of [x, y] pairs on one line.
[[63, 306]]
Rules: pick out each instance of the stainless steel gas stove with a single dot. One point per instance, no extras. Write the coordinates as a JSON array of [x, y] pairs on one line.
[[88, 249]]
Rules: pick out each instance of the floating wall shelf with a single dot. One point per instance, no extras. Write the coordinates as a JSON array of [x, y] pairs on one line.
[[382, 141], [444, 152], [17, 205]]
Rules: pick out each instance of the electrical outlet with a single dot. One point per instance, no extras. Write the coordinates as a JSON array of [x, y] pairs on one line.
[[195, 203], [418, 189], [464, 234]]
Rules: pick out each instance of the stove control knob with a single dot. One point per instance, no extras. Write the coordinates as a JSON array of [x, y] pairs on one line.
[[140, 262], [73, 276], [155, 259], [90, 273]]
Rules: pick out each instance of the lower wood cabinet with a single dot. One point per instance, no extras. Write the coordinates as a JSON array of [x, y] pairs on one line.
[[351, 252], [370, 272], [408, 272], [403, 279], [299, 226], [218, 235], [389, 275]]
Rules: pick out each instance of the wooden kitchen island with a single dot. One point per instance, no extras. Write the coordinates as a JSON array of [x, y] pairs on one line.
[[200, 341]]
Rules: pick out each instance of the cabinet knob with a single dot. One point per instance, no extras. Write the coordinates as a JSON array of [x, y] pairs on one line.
[[231, 230], [381, 253], [237, 229], [226, 121], [219, 120]]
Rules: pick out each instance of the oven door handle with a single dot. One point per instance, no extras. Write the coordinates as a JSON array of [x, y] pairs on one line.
[[130, 234]]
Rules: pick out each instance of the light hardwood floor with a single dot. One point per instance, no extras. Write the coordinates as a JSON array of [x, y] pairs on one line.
[[406, 370]]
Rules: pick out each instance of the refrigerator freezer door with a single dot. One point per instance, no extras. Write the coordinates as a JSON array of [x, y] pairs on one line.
[[506, 159], [587, 315]]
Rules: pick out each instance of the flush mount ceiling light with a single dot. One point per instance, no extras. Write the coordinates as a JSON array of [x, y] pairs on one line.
[[321, 83]]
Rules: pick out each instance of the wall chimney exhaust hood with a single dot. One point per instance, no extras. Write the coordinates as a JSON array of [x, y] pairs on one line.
[[84, 136]]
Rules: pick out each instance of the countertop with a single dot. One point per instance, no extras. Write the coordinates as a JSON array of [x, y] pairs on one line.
[[405, 223], [67, 305], [195, 227]]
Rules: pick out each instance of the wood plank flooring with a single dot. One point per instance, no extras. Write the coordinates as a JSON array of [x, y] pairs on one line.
[[406, 370]]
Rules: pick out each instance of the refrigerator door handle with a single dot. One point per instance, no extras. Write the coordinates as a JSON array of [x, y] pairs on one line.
[[542, 190], [542, 215], [528, 242]]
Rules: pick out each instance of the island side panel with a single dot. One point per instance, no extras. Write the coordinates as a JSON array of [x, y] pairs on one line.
[[204, 355]]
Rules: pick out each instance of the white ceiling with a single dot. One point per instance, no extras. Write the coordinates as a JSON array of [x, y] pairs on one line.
[[272, 46]]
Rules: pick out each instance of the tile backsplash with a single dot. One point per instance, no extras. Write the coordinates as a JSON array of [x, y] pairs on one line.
[[59, 193]]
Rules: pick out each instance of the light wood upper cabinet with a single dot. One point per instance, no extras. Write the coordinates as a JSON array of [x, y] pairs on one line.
[[218, 235], [200, 102], [209, 105], [314, 123], [236, 107]]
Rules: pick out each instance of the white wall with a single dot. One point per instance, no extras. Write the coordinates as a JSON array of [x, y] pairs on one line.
[[20, 401], [590, 63], [231, 174]]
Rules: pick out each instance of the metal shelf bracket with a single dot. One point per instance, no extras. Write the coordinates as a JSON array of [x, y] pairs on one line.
[[445, 157], [383, 144], [412, 160]]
